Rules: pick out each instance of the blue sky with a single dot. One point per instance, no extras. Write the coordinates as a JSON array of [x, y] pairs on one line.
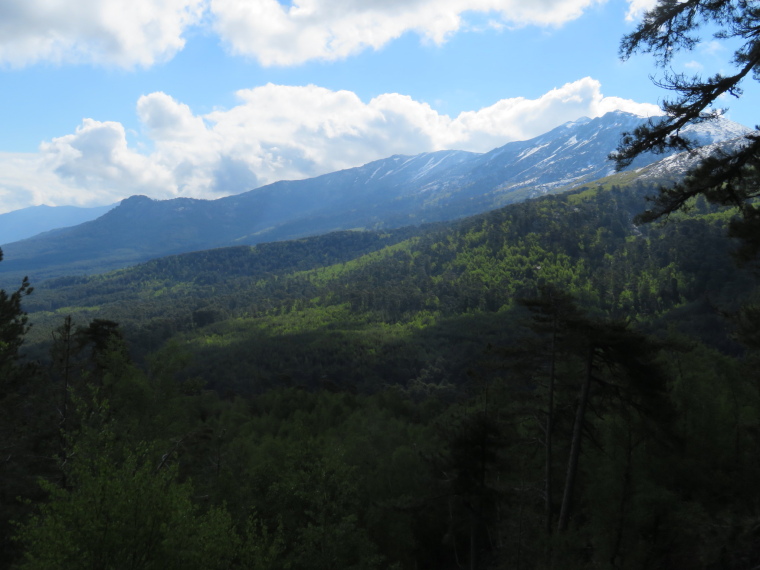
[[103, 99]]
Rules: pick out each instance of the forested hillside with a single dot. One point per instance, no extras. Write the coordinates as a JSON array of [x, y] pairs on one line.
[[564, 383], [545, 385], [389, 193]]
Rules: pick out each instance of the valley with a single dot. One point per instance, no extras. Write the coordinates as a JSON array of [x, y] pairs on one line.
[[392, 361], [390, 383], [298, 285]]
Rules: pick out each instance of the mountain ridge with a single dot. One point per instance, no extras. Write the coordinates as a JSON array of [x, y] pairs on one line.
[[28, 222], [392, 192]]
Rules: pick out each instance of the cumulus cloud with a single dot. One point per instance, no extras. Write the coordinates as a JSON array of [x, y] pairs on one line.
[[281, 132], [636, 8], [288, 34], [97, 156], [143, 32], [520, 118], [26, 180], [106, 32]]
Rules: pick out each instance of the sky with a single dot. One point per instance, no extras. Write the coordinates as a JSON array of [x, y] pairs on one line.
[[104, 99]]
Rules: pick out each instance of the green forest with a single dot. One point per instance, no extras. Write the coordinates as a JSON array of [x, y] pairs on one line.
[[570, 382], [548, 385]]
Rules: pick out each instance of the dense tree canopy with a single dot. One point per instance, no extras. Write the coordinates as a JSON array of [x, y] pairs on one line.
[[329, 404]]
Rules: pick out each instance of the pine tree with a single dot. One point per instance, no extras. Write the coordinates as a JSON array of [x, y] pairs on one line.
[[13, 327], [552, 311], [22, 425], [729, 177]]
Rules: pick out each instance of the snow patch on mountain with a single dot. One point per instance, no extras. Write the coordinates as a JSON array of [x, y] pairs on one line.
[[716, 130], [676, 165], [528, 152]]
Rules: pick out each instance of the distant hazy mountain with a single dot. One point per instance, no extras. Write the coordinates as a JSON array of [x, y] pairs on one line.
[[25, 223], [392, 192]]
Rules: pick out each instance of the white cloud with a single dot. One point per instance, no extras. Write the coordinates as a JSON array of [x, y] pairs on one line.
[[712, 47], [277, 132], [520, 118], [26, 180], [143, 32], [636, 8], [97, 157], [107, 32], [278, 34]]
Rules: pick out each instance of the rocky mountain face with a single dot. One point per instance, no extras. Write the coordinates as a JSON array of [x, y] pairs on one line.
[[392, 192]]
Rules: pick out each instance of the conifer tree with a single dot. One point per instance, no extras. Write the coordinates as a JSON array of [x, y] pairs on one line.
[[552, 312], [728, 177], [13, 325], [18, 416]]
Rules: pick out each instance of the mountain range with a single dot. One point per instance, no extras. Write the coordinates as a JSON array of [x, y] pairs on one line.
[[392, 192], [28, 222]]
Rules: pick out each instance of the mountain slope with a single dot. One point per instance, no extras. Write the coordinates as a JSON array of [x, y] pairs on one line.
[[28, 222], [392, 192], [432, 327], [582, 241]]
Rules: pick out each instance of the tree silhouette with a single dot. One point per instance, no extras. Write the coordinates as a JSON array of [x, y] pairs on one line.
[[729, 176]]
